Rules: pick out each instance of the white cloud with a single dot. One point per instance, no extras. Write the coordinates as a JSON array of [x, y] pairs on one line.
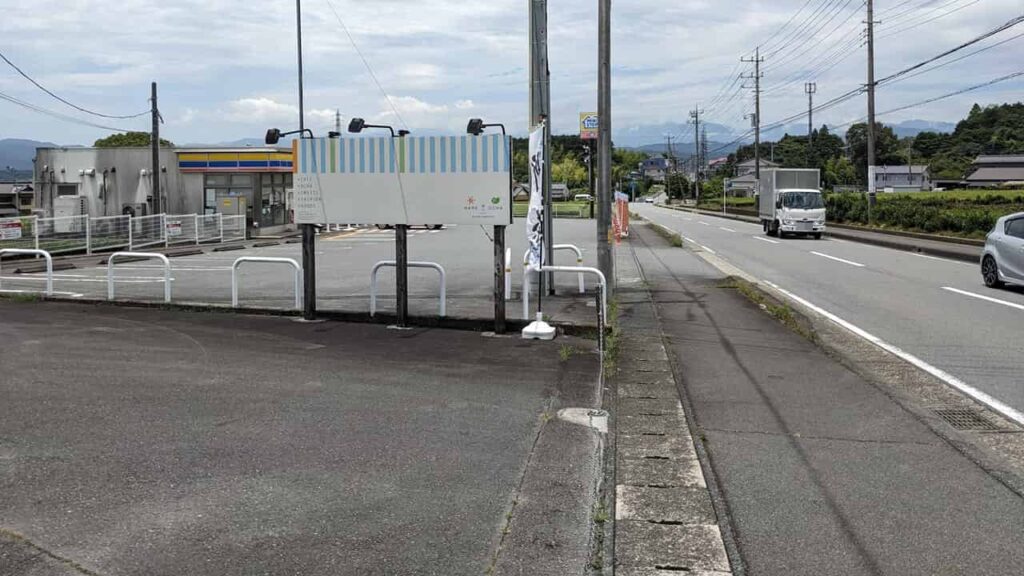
[[464, 104], [260, 110]]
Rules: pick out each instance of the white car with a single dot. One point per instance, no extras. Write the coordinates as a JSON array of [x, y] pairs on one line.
[[583, 198], [1003, 258]]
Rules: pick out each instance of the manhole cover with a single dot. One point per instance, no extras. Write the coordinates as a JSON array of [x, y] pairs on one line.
[[966, 419]]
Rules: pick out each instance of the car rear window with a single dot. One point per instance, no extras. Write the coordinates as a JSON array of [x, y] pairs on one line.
[[1015, 228]]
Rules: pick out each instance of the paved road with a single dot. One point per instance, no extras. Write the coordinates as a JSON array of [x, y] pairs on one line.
[[929, 307], [822, 472]]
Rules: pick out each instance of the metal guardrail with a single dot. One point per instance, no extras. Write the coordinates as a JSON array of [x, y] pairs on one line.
[[392, 264], [44, 254], [152, 255], [293, 263]]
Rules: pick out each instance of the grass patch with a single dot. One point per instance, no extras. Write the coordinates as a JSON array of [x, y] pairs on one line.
[[601, 517], [566, 352], [673, 238], [778, 310], [611, 338], [23, 297]]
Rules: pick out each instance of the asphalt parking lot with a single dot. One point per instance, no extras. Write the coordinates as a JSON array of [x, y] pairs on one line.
[[344, 261], [139, 441]]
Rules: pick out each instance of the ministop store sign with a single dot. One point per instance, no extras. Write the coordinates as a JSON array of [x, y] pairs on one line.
[[588, 125]]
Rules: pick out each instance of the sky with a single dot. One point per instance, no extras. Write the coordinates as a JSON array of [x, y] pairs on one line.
[[227, 69]]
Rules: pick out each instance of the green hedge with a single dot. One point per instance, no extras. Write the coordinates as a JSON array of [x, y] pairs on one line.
[[959, 213]]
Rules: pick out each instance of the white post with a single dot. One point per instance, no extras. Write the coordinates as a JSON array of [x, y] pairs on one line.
[[131, 224], [508, 274], [35, 229], [88, 235], [195, 218], [220, 227]]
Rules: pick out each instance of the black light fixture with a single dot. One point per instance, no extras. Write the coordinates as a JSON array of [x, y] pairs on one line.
[[358, 124], [274, 135], [333, 134], [476, 126]]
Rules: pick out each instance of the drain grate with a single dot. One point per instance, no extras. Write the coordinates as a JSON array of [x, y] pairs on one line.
[[966, 419]]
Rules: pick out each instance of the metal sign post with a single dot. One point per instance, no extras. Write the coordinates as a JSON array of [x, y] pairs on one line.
[[499, 280]]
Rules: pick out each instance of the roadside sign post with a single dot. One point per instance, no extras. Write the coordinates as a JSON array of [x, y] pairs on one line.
[[499, 280]]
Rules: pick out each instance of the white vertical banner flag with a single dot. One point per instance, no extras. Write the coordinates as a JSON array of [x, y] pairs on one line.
[[535, 217]]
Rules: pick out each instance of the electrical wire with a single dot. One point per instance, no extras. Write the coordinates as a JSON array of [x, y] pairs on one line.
[[964, 57], [75, 106], [892, 33], [57, 115], [367, 64]]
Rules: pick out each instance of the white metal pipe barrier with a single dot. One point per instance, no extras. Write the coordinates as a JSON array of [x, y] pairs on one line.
[[152, 255], [557, 248], [392, 264], [508, 274], [32, 251], [576, 269], [293, 263]]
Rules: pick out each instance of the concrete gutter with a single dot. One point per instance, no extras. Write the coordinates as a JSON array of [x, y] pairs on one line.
[[962, 249]]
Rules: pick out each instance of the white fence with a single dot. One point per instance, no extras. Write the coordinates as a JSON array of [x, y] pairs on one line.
[[83, 234]]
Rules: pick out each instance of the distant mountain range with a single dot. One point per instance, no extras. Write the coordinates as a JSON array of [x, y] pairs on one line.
[[18, 153]]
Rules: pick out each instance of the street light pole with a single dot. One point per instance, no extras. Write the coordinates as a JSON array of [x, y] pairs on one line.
[[308, 230]]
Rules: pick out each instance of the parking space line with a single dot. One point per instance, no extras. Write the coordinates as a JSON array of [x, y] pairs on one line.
[[763, 239], [690, 240], [702, 223], [850, 262], [985, 298], [726, 229]]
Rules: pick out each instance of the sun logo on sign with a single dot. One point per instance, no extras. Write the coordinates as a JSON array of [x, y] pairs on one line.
[[471, 201]]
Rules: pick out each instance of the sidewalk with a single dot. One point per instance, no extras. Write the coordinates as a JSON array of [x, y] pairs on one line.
[[822, 473]]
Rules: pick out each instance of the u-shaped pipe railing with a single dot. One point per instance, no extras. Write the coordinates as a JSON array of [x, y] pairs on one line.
[[44, 254], [556, 248], [289, 261], [153, 255], [393, 264]]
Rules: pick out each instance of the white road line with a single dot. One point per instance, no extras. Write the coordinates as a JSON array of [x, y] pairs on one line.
[[850, 262], [702, 223], [55, 293], [708, 249], [690, 240], [726, 229], [945, 260], [985, 298], [763, 239], [946, 377]]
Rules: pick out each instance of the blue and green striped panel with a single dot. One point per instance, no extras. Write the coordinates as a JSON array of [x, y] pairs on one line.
[[412, 155]]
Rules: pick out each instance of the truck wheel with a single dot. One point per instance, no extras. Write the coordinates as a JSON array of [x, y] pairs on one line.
[[773, 229], [817, 235]]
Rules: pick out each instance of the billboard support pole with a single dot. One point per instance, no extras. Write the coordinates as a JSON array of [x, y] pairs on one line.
[[499, 279], [402, 274]]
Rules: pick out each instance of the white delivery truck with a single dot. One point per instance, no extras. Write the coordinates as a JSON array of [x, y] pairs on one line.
[[790, 202]]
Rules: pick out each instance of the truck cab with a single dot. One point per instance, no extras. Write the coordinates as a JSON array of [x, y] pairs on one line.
[[790, 202]]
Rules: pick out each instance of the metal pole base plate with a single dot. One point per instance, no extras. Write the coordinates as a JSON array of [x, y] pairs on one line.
[[539, 330]]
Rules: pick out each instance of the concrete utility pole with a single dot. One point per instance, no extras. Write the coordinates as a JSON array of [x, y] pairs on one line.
[[695, 115], [670, 169], [154, 144], [810, 88], [605, 259], [540, 109], [757, 60], [871, 90], [337, 121]]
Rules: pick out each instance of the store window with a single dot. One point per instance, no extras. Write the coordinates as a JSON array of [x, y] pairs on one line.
[[273, 194], [218, 186]]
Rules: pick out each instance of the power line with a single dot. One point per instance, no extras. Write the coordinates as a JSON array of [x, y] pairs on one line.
[[75, 106], [794, 55], [57, 115], [964, 57], [890, 33], [366, 64]]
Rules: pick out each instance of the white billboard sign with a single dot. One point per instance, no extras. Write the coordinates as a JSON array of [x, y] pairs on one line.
[[411, 180]]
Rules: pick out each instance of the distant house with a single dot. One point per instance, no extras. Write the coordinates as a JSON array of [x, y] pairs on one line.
[[717, 164], [899, 178], [996, 171], [656, 168], [750, 166]]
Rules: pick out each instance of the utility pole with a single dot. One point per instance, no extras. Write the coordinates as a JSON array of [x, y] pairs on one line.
[[605, 258], [810, 88], [337, 121], [757, 60], [540, 110], [695, 115], [154, 144], [871, 92], [670, 169]]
